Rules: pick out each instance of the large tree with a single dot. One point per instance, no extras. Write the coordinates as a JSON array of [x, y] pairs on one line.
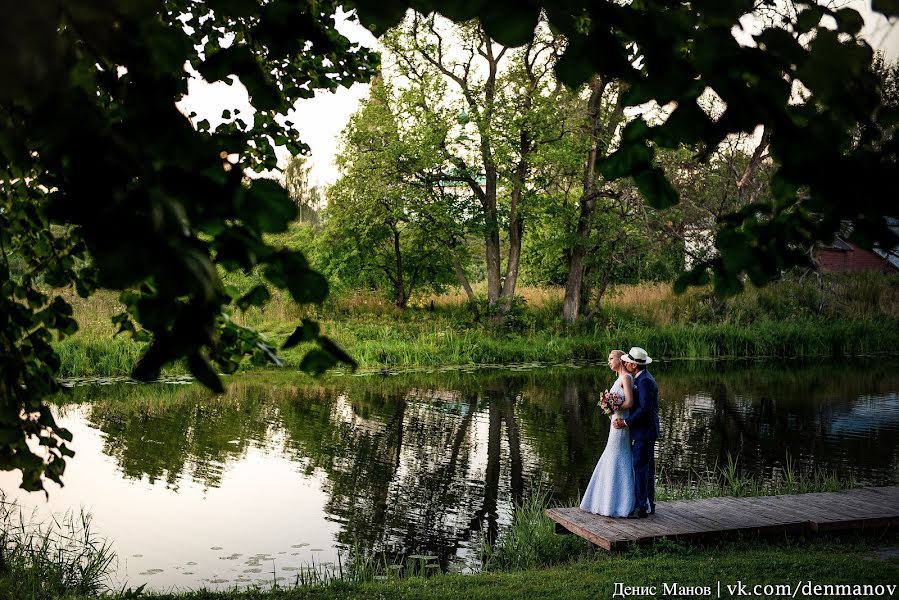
[[806, 78], [379, 221], [503, 99]]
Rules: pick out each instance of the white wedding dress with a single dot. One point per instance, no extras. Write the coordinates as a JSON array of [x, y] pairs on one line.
[[611, 490]]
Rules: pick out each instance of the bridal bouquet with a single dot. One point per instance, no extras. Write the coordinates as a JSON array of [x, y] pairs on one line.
[[610, 402]]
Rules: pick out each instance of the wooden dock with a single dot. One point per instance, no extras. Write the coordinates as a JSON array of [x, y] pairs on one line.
[[862, 508]]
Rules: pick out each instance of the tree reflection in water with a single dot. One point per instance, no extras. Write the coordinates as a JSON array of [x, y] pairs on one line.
[[431, 463]]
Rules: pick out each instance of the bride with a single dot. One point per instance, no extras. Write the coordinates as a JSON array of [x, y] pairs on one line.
[[611, 490]]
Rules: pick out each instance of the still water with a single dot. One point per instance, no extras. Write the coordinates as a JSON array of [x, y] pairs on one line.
[[195, 490]]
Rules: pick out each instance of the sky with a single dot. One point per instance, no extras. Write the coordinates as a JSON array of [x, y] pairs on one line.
[[321, 119]]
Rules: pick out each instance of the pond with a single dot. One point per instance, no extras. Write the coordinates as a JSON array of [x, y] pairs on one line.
[[195, 490]]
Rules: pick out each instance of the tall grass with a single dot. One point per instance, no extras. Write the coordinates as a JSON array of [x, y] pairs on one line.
[[727, 480], [52, 560], [531, 542], [415, 343], [833, 316]]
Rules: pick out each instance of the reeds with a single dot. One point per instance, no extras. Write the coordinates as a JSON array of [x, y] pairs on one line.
[[727, 480], [530, 540], [63, 557], [834, 316]]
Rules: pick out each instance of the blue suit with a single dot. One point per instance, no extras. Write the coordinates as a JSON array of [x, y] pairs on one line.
[[643, 424]]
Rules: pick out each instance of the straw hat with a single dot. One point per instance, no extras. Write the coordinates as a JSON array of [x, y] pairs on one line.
[[638, 356]]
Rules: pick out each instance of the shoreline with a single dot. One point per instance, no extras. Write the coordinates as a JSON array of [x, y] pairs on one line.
[[402, 345]]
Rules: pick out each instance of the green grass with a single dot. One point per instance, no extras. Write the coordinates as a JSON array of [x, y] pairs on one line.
[[842, 315], [822, 561], [437, 343], [51, 560]]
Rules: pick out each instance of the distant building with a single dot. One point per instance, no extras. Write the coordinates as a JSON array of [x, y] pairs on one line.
[[843, 256]]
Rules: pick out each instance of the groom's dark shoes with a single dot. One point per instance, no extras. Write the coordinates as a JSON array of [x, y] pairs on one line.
[[637, 513], [652, 509]]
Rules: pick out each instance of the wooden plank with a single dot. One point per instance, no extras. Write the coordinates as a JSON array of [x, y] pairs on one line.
[[878, 502], [787, 510], [679, 524], [891, 493], [608, 527], [732, 512], [605, 527], [820, 509], [687, 519], [761, 508], [578, 530], [855, 524], [860, 508], [699, 521], [700, 511], [746, 515]]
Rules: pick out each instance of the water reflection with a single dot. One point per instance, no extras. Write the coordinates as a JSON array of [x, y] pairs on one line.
[[426, 462]]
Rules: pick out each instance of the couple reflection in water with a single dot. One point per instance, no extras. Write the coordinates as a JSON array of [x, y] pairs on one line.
[[623, 482]]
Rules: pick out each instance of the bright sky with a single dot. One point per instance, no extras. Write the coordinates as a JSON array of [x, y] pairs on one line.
[[321, 119]]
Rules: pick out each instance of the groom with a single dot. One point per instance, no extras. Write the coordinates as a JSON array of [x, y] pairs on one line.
[[643, 424]]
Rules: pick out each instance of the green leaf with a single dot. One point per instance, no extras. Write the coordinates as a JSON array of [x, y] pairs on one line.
[[202, 369], [317, 362], [511, 25], [297, 148], [782, 44], [688, 124], [572, 69], [268, 206], [735, 249], [307, 332], [257, 296], [809, 18], [630, 157], [849, 21], [656, 188], [697, 277], [151, 362], [307, 287], [727, 284], [380, 16], [337, 352], [234, 8]]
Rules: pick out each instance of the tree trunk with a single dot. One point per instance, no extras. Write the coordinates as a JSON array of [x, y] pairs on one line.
[[599, 148], [516, 226], [491, 239], [399, 289], [509, 284], [754, 162], [463, 281], [597, 300], [571, 306]]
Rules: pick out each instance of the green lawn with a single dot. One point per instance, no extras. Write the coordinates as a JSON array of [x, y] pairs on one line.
[[849, 560]]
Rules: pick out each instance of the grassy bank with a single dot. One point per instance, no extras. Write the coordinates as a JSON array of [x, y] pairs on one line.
[[841, 316], [528, 561], [821, 562]]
